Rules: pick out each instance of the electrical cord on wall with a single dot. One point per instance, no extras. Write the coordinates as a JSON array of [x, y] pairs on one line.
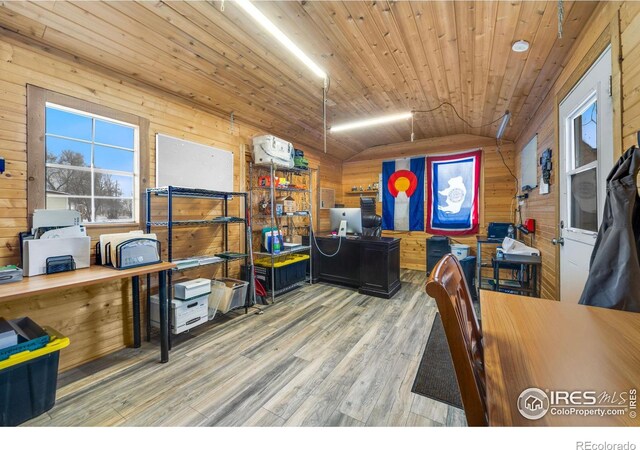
[[515, 194]]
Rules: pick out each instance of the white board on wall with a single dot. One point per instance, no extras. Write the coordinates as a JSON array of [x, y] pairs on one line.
[[188, 164]]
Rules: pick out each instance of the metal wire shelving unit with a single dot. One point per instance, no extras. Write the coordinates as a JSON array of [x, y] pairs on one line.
[[294, 221]]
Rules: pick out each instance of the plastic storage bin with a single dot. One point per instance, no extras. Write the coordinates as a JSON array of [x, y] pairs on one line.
[[460, 251], [229, 293], [28, 381], [287, 270], [32, 336]]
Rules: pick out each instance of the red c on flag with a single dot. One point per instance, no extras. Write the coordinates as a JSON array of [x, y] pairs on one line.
[[402, 181]]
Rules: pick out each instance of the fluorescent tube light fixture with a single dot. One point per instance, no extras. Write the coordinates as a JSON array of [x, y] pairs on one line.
[[254, 12], [503, 124], [371, 122]]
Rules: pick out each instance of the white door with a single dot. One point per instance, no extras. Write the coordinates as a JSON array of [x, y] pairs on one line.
[[586, 158]]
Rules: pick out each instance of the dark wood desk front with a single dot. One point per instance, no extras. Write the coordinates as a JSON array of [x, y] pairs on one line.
[[42, 284], [559, 347], [370, 264]]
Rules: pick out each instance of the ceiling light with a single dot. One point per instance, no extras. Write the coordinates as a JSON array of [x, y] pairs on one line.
[[371, 122], [280, 36], [520, 46], [503, 124]]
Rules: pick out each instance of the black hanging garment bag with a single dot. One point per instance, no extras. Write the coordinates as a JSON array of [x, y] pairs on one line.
[[614, 272]]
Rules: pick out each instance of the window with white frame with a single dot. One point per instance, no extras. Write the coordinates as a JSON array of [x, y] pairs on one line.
[[91, 165]]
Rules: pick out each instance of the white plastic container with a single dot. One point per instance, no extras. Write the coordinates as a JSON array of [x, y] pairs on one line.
[[232, 293], [220, 295], [460, 251]]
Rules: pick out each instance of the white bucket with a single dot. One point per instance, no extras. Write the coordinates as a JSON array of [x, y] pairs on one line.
[[460, 251]]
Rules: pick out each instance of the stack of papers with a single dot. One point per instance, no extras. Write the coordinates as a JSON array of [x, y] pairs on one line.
[[187, 263]]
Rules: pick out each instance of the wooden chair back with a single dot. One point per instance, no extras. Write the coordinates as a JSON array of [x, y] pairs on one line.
[[447, 285]]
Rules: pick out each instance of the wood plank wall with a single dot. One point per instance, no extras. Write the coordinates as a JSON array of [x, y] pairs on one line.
[[97, 319], [617, 23], [496, 189]]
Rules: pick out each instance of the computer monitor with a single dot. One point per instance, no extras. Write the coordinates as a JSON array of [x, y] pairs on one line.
[[353, 217]]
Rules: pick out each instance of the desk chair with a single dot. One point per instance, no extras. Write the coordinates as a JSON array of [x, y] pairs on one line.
[[448, 287], [371, 222], [372, 225], [368, 206]]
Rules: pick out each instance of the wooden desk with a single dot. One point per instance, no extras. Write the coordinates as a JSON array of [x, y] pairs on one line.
[[554, 346], [371, 264], [43, 284]]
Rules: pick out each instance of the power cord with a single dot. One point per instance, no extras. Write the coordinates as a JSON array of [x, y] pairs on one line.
[[313, 233], [515, 194], [458, 115]]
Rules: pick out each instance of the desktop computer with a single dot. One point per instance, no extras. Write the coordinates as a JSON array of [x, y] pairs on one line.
[[346, 220]]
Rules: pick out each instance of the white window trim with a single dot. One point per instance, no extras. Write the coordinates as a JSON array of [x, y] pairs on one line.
[[93, 170]]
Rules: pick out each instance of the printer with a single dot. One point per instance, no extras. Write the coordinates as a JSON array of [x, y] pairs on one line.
[[513, 247]]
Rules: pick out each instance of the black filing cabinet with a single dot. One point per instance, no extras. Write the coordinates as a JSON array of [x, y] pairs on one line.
[[437, 247]]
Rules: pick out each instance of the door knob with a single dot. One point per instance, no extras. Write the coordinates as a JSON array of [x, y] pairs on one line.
[[555, 241]]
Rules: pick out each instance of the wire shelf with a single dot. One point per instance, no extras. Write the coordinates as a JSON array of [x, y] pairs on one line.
[[302, 248], [177, 191], [217, 220]]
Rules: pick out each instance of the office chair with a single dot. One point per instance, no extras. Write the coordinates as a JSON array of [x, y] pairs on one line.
[[371, 222], [368, 206], [372, 225]]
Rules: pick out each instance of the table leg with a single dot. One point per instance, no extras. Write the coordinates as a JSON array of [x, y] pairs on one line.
[[496, 276], [478, 268], [164, 316], [135, 293], [148, 315]]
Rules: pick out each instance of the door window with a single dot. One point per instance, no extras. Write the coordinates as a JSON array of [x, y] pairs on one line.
[[583, 176]]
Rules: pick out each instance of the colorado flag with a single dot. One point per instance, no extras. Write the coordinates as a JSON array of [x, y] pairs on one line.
[[403, 194]]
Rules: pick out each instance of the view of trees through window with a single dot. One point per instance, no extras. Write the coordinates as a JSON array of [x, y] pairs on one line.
[[90, 165]]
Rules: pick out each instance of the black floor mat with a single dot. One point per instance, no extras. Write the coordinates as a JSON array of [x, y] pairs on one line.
[[436, 377]]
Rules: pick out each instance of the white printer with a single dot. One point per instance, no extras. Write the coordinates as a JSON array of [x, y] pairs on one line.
[[192, 288], [269, 149], [513, 247]]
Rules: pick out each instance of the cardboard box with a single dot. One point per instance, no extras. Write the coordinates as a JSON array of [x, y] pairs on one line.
[[185, 314]]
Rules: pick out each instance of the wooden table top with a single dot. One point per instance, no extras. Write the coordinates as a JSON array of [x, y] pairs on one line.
[[555, 346], [81, 277]]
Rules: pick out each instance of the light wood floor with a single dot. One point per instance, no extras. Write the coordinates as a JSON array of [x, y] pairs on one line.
[[321, 356]]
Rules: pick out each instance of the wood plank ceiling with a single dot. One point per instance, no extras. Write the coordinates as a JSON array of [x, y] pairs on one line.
[[382, 57]]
